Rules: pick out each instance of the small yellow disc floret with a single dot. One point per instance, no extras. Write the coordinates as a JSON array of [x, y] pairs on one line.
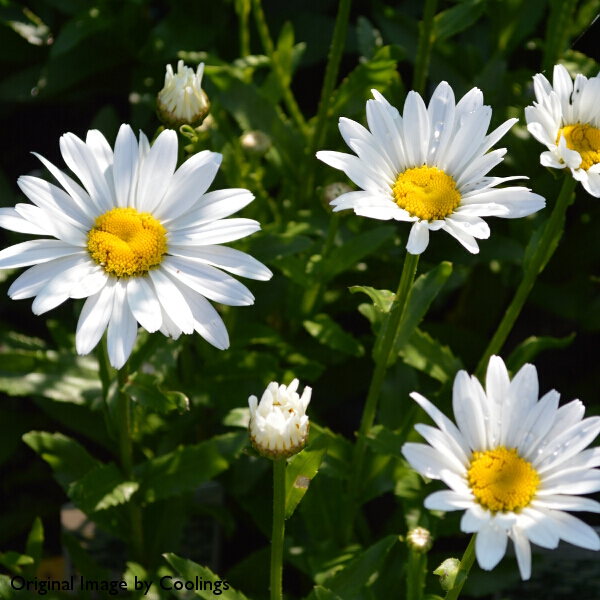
[[126, 242], [585, 139], [501, 480], [427, 193]]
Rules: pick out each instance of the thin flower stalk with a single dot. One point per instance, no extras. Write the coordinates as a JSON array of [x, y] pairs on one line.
[[426, 41], [541, 256], [465, 566], [278, 528]]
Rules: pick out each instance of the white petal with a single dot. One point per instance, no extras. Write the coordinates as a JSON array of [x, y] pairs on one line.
[[10, 219], [34, 252], [122, 329], [573, 530], [475, 518], [168, 327], [480, 167], [497, 383], [103, 153], [570, 482], [385, 132], [217, 232], [234, 261], [537, 424], [81, 198], [56, 291], [48, 196], [592, 184], [589, 105], [207, 321], [172, 300], [448, 501], [351, 200], [470, 224], [460, 447], [552, 160], [441, 119], [560, 502], [418, 238], [190, 181], [94, 318], [33, 280], [371, 157], [571, 157], [426, 460], [157, 171], [468, 140], [567, 444], [563, 86], [91, 284], [208, 281], [468, 241], [523, 552], [520, 201], [490, 545], [538, 528], [355, 170], [416, 131], [443, 444], [82, 162], [143, 303], [468, 412], [53, 224], [211, 207], [540, 133], [125, 164], [466, 106]]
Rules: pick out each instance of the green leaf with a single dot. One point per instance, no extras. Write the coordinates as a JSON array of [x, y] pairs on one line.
[[69, 460], [190, 570], [295, 269], [456, 19], [354, 250], [13, 561], [6, 591], [425, 354], [77, 29], [143, 388], [421, 295], [82, 561], [526, 351], [34, 546], [382, 299], [368, 38], [186, 468], [339, 452], [300, 472], [321, 593], [385, 442], [378, 73], [357, 573], [327, 332], [270, 247], [101, 488], [237, 417]]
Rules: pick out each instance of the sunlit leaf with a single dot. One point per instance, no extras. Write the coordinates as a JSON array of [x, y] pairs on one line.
[[324, 329]]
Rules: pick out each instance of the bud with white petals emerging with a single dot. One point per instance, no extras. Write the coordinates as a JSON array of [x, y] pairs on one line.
[[278, 426], [182, 101]]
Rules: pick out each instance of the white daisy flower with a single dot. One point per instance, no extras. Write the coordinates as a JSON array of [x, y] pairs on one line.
[[140, 242], [514, 464], [279, 426], [566, 119], [429, 167], [182, 101]]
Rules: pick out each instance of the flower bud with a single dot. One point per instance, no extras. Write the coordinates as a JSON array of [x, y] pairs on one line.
[[255, 142], [278, 426], [448, 572], [182, 101], [419, 540]]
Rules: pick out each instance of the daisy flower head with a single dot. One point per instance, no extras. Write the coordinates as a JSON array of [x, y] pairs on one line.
[[429, 167], [138, 239], [182, 101], [512, 462], [566, 119], [279, 426]]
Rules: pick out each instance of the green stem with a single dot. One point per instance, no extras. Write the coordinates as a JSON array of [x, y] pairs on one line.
[[125, 451], [560, 24], [331, 73], [267, 42], [426, 41], [406, 280], [244, 30], [465, 566], [278, 527], [541, 256], [415, 579]]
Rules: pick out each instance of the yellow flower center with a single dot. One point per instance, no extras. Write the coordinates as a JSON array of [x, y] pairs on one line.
[[427, 193], [126, 242], [585, 139], [501, 480]]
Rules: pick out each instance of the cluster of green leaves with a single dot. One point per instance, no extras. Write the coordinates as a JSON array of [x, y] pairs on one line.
[[75, 65]]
